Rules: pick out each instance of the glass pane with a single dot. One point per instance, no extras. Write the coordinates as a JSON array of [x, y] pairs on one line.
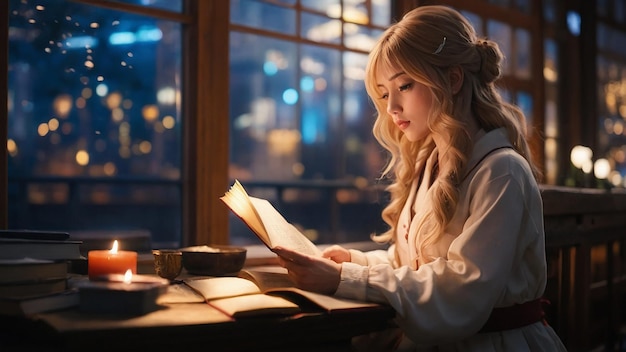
[[523, 57], [332, 8], [612, 114], [550, 61], [506, 94], [321, 112], [320, 84], [602, 35], [301, 123], [611, 40], [363, 154], [360, 37], [500, 32], [551, 162], [264, 100], [524, 6], [321, 28], [476, 21], [262, 15], [503, 3], [355, 11], [93, 99], [525, 102], [618, 11], [573, 22], [551, 120], [381, 13], [171, 5], [549, 11], [602, 7]]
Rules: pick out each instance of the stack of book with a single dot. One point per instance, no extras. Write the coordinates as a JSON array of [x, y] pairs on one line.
[[35, 271]]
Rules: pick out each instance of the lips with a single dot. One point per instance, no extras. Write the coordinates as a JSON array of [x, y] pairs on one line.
[[402, 124]]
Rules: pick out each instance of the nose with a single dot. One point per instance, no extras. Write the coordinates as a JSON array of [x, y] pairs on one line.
[[393, 106]]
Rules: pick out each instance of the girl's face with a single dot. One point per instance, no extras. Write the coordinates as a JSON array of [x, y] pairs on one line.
[[408, 102]]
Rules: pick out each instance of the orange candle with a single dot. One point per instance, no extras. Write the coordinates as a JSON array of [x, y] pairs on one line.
[[105, 262]]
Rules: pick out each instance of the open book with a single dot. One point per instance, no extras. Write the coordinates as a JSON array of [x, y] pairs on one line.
[[256, 292], [266, 222]]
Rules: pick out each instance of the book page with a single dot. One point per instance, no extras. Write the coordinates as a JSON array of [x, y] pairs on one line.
[[239, 297], [254, 305], [326, 302], [267, 280], [239, 202], [280, 232], [275, 281], [220, 287]]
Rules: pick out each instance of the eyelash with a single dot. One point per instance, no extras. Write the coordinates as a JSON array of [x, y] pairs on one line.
[[402, 88], [405, 87]]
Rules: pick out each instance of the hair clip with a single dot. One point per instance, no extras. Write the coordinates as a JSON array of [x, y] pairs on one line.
[[443, 43]]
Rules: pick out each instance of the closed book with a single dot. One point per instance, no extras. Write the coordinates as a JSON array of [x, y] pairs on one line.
[[18, 248], [29, 270], [35, 234], [33, 288], [29, 305]]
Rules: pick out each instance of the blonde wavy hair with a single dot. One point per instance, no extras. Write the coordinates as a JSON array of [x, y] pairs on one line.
[[425, 44]]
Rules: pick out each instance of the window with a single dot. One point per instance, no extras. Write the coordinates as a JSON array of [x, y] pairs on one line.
[[611, 89], [94, 117], [300, 117], [512, 25], [551, 78]]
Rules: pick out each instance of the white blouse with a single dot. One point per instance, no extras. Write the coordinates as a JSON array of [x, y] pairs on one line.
[[492, 255]]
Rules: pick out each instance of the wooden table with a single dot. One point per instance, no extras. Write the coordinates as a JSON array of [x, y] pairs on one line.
[[182, 326]]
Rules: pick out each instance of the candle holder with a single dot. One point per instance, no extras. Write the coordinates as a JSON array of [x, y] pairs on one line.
[[168, 263], [111, 294]]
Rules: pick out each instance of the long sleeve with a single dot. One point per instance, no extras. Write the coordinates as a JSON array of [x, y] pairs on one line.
[[496, 258], [372, 257]]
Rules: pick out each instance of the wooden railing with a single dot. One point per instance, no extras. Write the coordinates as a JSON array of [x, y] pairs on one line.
[[586, 248], [585, 241]]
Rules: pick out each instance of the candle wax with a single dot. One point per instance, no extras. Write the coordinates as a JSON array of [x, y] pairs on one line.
[[104, 262]]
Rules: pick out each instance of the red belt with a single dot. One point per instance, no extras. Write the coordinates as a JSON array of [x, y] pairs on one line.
[[516, 316]]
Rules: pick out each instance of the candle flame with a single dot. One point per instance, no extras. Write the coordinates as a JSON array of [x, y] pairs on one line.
[[128, 276], [114, 248]]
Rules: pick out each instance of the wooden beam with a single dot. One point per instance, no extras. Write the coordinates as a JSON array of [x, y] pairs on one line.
[[4, 119], [206, 116]]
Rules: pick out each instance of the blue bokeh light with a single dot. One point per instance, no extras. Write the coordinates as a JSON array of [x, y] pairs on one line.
[[573, 22], [307, 84], [290, 96], [270, 68]]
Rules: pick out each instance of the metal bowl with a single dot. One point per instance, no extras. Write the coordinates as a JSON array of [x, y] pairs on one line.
[[213, 260]]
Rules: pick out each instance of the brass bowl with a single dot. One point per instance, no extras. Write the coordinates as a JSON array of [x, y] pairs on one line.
[[167, 263], [213, 260]]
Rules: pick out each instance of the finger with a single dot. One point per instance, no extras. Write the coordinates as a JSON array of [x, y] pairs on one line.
[[288, 254], [282, 262]]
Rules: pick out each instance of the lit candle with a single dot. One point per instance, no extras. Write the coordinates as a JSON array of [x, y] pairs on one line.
[[105, 262], [125, 294]]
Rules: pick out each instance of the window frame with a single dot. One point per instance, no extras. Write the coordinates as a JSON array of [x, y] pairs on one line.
[[4, 118], [205, 135], [205, 53]]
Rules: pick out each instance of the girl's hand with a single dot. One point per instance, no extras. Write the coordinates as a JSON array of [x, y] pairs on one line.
[[310, 273], [337, 254]]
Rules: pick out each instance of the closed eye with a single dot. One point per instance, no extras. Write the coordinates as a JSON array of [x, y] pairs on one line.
[[405, 87]]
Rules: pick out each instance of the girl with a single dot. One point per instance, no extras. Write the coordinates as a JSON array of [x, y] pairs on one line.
[[466, 267]]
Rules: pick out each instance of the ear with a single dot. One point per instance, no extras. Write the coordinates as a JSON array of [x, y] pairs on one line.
[[455, 74]]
